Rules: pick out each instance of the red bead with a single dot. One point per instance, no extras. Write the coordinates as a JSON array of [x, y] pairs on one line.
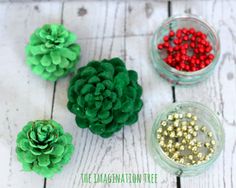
[[166, 45], [202, 65], [193, 38], [183, 51], [185, 37], [203, 36], [170, 49], [196, 50], [186, 46], [160, 46], [179, 34], [211, 56], [166, 38], [176, 41], [184, 30], [208, 49], [187, 67], [201, 50], [191, 30], [192, 45], [207, 62], [172, 33], [199, 34]]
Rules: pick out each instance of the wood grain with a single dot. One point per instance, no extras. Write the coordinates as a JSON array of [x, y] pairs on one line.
[[218, 92], [24, 96]]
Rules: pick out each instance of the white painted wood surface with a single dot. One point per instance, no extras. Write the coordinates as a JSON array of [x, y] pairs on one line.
[[106, 29]]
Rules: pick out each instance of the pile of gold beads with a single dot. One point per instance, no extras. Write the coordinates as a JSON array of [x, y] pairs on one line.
[[185, 141]]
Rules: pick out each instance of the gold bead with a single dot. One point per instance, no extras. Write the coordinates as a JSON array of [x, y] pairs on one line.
[[193, 162], [163, 123], [190, 157], [183, 141], [176, 123], [192, 143], [159, 130], [181, 148], [162, 138], [189, 115], [175, 155], [213, 142], [207, 145], [178, 129], [171, 150], [162, 143], [194, 118], [181, 160], [194, 149], [170, 141], [170, 128], [209, 134], [176, 116], [194, 133], [192, 123], [177, 145], [184, 128], [170, 117], [196, 128], [179, 134], [190, 147], [203, 129], [199, 162], [172, 134], [199, 144], [211, 150], [190, 131], [188, 137], [165, 133], [169, 145], [181, 116], [158, 136], [200, 155]]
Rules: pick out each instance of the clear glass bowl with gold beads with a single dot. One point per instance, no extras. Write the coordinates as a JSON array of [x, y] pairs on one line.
[[186, 138]]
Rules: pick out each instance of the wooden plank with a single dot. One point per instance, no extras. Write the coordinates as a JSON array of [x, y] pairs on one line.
[[219, 91], [20, 89], [113, 155], [92, 154], [142, 21]]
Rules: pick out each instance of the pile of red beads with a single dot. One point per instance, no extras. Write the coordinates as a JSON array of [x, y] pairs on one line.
[[186, 50]]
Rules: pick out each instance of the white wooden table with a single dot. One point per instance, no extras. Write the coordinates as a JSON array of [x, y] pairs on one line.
[[106, 29]]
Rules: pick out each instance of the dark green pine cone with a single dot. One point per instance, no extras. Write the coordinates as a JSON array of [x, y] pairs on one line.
[[52, 52], [105, 96], [43, 147]]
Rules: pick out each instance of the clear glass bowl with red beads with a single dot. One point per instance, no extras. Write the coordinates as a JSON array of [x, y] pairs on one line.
[[185, 49]]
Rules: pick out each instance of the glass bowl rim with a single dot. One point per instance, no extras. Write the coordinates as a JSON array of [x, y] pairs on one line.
[[205, 23]]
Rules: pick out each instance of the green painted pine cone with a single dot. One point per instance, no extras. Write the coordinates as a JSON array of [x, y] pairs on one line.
[[52, 52], [105, 96], [43, 147]]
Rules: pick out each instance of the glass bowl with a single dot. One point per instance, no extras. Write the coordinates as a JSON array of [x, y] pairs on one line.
[[171, 74], [206, 117]]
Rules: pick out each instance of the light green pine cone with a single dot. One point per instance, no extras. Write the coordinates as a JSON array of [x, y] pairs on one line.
[[52, 52], [43, 147]]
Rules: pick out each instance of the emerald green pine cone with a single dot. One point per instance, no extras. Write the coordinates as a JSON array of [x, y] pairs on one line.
[[43, 147], [105, 96], [52, 52]]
